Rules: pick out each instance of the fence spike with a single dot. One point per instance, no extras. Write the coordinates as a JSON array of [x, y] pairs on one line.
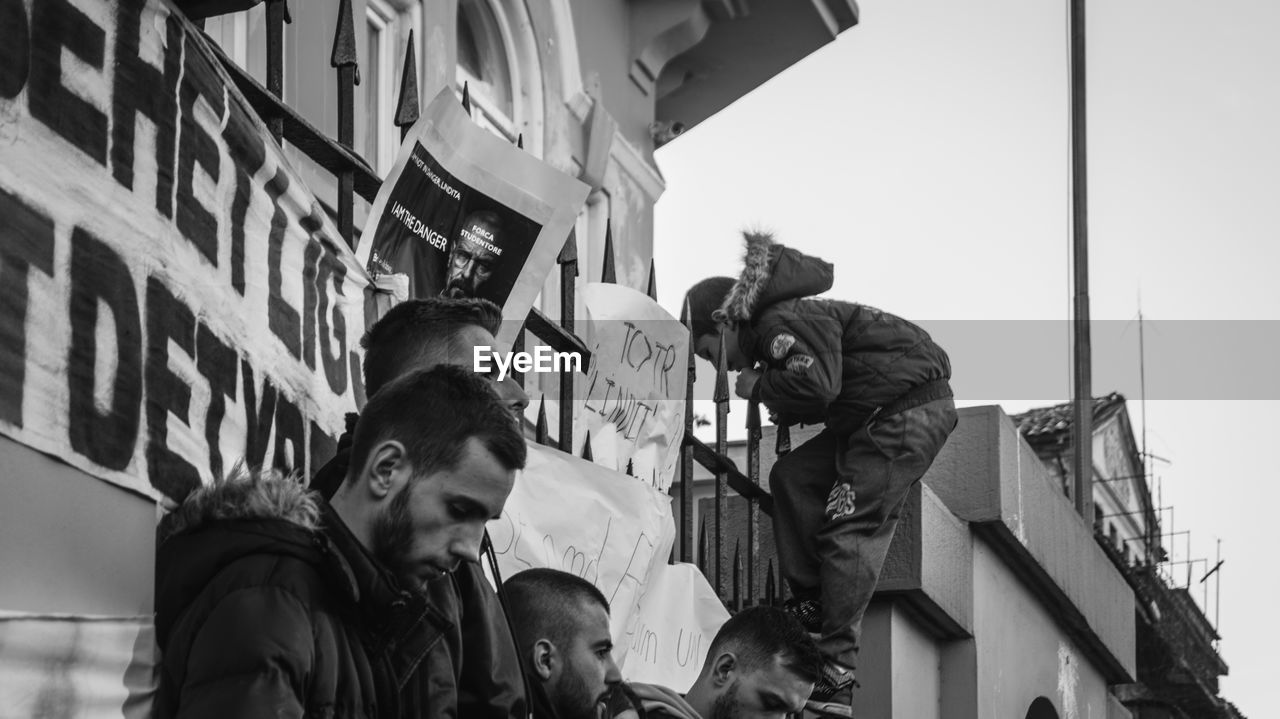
[[569, 252], [586, 448], [407, 103], [770, 588], [783, 444], [541, 434], [753, 419], [722, 374], [653, 283], [610, 273], [466, 98], [344, 40]]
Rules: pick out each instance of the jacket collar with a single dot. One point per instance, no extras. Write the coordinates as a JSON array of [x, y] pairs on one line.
[[400, 623]]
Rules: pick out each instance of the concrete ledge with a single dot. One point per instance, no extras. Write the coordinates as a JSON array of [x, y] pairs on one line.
[[930, 567], [988, 476]]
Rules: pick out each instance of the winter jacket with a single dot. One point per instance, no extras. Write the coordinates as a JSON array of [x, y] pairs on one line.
[[660, 702], [826, 360], [268, 606], [489, 683]]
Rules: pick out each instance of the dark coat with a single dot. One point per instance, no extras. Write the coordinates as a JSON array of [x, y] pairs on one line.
[[267, 606], [827, 360], [489, 683]]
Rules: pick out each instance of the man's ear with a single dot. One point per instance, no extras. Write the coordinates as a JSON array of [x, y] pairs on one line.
[[545, 659], [722, 670], [386, 468]]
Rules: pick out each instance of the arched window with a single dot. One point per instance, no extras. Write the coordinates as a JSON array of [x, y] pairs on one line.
[[1042, 708], [498, 62]]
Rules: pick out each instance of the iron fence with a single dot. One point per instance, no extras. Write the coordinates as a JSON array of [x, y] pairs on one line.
[[740, 583]]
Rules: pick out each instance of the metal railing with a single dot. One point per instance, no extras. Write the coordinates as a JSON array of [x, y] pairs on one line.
[[737, 586]]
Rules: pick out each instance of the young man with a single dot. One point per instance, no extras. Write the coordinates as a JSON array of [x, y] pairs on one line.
[[272, 602], [419, 334], [562, 628], [761, 664], [881, 386]]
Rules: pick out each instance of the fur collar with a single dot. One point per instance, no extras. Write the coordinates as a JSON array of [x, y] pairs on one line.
[[744, 297], [244, 494]]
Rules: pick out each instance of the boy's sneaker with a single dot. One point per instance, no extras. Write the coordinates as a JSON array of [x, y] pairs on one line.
[[807, 611], [833, 693]]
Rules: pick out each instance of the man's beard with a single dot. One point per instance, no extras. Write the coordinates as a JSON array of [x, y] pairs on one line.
[[393, 538], [573, 698], [726, 705], [459, 289]]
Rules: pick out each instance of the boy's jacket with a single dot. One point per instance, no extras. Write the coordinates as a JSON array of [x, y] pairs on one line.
[[827, 360]]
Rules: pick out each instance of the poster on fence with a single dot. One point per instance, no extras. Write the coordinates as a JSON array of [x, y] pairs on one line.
[[633, 405], [56, 666], [678, 618], [570, 514], [175, 299], [464, 213]]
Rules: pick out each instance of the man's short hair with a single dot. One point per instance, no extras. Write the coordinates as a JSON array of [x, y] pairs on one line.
[[415, 328], [433, 413], [759, 634], [546, 604], [700, 301]]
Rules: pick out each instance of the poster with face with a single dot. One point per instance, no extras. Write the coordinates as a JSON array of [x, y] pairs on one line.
[[466, 214]]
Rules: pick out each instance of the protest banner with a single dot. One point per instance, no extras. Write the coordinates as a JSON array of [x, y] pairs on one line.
[[175, 298], [464, 213], [635, 386], [678, 619], [61, 666], [567, 513]]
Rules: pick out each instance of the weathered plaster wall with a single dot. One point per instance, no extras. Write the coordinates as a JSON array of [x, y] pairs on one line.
[[1022, 654], [71, 543]]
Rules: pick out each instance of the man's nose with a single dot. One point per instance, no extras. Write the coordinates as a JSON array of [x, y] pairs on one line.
[[512, 395], [466, 543], [611, 673]]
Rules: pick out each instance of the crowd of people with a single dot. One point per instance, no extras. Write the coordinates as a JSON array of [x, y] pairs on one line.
[[360, 593]]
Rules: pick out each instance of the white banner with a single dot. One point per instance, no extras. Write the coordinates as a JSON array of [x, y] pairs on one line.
[[678, 618], [175, 298], [569, 514], [465, 214], [635, 387], [60, 666]]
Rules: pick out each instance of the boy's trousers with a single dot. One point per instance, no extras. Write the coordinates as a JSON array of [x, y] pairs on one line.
[[838, 560]]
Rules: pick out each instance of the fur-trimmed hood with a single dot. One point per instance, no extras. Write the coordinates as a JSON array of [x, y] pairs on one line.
[[772, 273], [243, 494], [247, 514]]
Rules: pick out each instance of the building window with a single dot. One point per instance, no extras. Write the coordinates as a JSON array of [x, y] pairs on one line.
[[484, 66], [378, 78]]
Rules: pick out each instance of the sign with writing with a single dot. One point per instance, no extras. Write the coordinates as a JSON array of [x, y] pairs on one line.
[[464, 213], [174, 298], [567, 513], [678, 618], [635, 387], [76, 666]]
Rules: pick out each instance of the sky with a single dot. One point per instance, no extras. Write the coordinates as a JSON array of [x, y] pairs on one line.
[[926, 154]]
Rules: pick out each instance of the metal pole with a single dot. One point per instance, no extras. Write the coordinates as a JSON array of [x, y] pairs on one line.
[[1083, 450]]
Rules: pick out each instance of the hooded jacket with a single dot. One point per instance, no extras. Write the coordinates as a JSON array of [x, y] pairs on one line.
[[268, 606], [826, 360], [660, 702], [489, 683]]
